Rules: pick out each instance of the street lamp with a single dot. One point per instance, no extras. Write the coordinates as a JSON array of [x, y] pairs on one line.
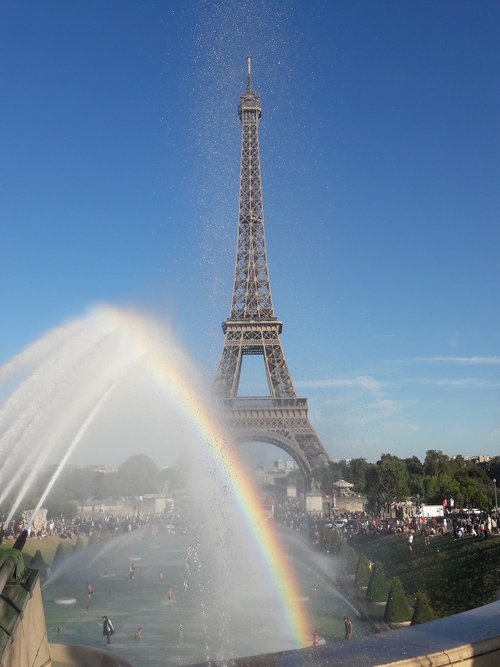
[[495, 489]]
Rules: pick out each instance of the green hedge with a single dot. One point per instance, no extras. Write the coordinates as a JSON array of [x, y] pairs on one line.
[[333, 541], [423, 611], [363, 572], [350, 558], [81, 543], [378, 586], [37, 562], [398, 609], [59, 557]]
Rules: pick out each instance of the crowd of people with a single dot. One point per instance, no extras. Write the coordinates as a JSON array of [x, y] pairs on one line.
[[460, 524], [69, 529]]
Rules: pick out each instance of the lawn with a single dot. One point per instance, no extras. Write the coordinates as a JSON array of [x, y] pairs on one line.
[[456, 574]]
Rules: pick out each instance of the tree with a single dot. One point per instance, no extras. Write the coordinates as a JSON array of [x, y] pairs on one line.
[[330, 474], [37, 562], [82, 484], [387, 482], [423, 611], [333, 540], [94, 539], [363, 572], [398, 609], [59, 557], [168, 478], [81, 543], [356, 473], [445, 486], [473, 494], [416, 476], [378, 586], [492, 468], [348, 555], [138, 475], [414, 466], [58, 505], [436, 463]]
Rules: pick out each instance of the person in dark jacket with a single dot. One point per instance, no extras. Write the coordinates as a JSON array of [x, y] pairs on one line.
[[107, 629]]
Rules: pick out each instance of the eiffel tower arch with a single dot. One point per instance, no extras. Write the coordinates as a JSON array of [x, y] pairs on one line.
[[281, 418]]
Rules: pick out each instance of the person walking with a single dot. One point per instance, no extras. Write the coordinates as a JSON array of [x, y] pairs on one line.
[[90, 593], [107, 629], [347, 628]]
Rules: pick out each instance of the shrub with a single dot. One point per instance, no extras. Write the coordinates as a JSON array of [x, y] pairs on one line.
[[106, 535], [81, 543], [59, 556], [398, 609], [37, 562], [333, 541], [363, 572], [423, 611], [94, 539], [350, 558], [378, 586]]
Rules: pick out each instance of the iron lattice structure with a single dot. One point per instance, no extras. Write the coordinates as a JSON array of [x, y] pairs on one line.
[[252, 329]]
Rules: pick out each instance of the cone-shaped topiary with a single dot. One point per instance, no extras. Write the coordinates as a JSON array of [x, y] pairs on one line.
[[106, 535], [398, 609], [423, 611], [333, 541], [363, 572], [37, 562], [378, 586], [94, 539], [58, 557], [350, 558], [81, 543]]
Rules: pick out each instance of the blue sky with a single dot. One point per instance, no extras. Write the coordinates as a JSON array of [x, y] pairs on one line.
[[379, 142]]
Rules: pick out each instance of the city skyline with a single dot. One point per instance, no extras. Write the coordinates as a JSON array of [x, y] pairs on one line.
[[379, 156]]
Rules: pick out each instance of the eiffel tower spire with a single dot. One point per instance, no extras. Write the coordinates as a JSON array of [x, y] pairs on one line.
[[252, 328], [249, 67]]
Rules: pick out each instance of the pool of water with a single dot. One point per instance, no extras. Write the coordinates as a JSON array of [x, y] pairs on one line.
[[182, 619]]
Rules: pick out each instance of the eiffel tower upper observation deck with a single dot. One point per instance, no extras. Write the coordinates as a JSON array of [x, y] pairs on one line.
[[252, 328]]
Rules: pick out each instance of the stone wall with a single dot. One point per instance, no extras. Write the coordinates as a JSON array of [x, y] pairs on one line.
[[28, 646]]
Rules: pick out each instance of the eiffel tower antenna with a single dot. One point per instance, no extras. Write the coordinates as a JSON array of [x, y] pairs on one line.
[[249, 66], [252, 328]]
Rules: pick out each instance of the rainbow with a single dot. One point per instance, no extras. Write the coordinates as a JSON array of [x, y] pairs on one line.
[[227, 460]]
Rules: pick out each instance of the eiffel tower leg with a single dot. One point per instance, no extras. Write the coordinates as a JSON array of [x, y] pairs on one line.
[[228, 372], [279, 378]]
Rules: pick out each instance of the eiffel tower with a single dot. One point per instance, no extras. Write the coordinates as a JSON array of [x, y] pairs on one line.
[[252, 328]]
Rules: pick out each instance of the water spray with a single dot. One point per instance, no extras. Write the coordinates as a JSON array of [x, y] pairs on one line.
[[81, 432]]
